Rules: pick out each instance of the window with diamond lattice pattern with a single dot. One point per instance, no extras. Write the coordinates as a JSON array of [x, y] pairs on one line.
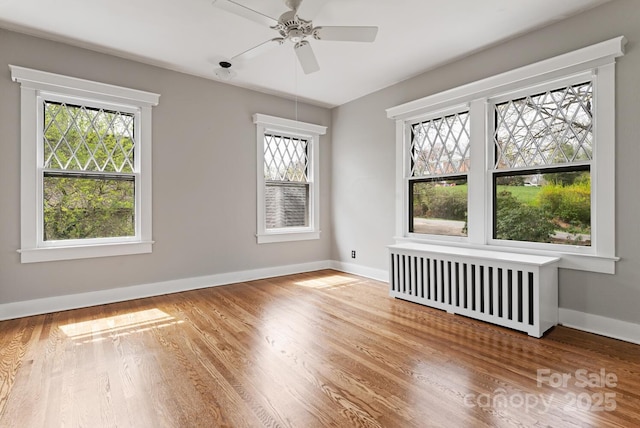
[[285, 158], [88, 172], [438, 185], [554, 127], [543, 145], [440, 146], [87, 139], [286, 172]]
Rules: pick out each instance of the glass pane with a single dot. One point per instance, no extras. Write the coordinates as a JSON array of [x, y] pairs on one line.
[[80, 138], [439, 207], [81, 208], [440, 146], [285, 159], [551, 128], [548, 207], [286, 205]]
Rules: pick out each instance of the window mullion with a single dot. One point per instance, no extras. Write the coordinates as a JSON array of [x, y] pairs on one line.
[[478, 183]]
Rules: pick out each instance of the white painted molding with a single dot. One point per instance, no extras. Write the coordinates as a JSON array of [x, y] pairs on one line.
[[565, 64], [367, 272], [34, 255], [267, 238], [596, 324], [45, 81], [103, 297], [280, 124], [604, 326]]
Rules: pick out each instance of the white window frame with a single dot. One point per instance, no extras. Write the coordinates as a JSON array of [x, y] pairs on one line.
[[408, 137], [595, 62], [37, 86], [275, 125], [588, 76]]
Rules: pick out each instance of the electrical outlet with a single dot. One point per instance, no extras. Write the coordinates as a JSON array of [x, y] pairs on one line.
[[353, 254]]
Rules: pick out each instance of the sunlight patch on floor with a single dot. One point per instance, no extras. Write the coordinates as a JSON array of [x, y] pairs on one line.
[[328, 282], [118, 325]]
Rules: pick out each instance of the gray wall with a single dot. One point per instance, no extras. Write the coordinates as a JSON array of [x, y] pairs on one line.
[[362, 191], [204, 168], [204, 177]]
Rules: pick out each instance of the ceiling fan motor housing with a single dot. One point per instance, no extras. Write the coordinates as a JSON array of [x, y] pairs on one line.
[[292, 27]]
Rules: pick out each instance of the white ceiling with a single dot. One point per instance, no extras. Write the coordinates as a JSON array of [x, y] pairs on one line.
[[192, 36]]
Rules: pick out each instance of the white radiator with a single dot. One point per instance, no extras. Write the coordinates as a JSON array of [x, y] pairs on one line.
[[512, 290]]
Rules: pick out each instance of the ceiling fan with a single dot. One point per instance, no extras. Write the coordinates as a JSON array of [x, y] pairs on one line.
[[298, 31]]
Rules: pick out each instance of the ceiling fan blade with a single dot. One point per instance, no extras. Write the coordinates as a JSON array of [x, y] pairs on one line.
[[306, 57], [257, 50], [307, 9], [245, 12], [346, 34]]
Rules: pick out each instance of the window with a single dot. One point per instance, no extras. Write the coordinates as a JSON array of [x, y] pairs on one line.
[[286, 175], [438, 185], [86, 170], [288, 194], [522, 161], [88, 173], [542, 166]]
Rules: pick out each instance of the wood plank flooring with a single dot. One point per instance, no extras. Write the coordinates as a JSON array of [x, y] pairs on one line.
[[322, 349]]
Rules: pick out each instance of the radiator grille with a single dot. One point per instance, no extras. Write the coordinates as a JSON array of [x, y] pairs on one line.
[[493, 290]]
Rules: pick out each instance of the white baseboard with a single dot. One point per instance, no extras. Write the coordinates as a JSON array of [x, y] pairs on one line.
[[103, 297], [616, 329], [367, 272], [610, 327]]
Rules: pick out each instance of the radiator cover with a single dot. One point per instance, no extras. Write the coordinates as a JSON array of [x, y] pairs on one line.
[[512, 290]]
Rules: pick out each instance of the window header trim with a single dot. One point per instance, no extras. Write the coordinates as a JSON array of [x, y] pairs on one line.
[[558, 66], [278, 124], [57, 83]]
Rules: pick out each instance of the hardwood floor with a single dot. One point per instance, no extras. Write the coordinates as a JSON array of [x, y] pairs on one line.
[[309, 350]]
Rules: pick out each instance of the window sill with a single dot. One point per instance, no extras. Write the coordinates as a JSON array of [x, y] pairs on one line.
[[35, 255], [583, 262], [267, 238]]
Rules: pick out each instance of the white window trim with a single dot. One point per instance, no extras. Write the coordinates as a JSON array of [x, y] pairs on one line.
[[311, 132], [33, 85], [599, 60], [407, 125]]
